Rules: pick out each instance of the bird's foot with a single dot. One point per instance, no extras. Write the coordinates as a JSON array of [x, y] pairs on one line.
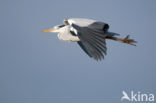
[[129, 41]]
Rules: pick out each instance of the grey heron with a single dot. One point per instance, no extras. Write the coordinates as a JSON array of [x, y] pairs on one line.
[[90, 34]]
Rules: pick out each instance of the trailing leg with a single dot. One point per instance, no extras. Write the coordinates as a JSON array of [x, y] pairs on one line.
[[126, 40]]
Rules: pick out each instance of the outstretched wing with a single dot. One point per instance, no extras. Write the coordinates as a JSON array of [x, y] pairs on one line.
[[87, 23], [92, 41], [99, 26]]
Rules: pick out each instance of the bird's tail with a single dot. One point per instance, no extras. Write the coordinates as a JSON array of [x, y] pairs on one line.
[[126, 40]]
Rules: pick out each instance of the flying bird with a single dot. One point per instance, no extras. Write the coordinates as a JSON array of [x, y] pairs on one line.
[[90, 35]]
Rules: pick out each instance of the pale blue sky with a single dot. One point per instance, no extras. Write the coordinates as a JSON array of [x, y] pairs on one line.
[[36, 67]]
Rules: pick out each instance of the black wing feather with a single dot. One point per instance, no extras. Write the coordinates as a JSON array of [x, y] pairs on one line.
[[84, 48], [92, 41]]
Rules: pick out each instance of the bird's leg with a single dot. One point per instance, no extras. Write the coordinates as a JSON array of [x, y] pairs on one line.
[[123, 40], [129, 41]]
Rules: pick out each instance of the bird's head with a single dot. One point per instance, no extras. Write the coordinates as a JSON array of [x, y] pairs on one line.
[[54, 29]]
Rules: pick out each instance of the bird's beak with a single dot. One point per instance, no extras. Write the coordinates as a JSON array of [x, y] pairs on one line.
[[48, 30]]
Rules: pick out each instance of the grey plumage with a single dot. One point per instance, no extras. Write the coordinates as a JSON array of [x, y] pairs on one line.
[[90, 34], [92, 41]]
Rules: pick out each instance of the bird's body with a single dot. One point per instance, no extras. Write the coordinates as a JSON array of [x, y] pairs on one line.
[[80, 21], [66, 35], [89, 34]]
